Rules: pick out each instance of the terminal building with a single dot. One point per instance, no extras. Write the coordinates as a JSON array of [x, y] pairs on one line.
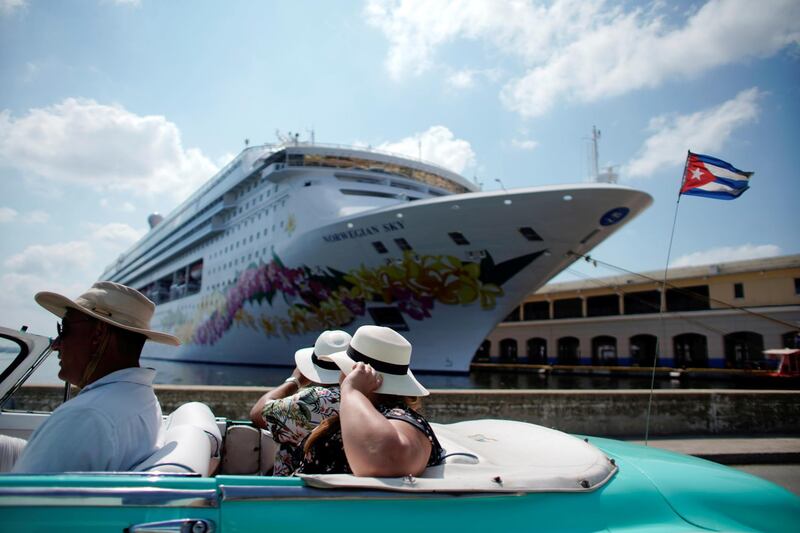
[[714, 316]]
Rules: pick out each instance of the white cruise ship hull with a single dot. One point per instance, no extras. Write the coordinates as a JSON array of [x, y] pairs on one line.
[[469, 260]]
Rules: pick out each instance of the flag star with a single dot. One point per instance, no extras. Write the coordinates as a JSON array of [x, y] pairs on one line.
[[696, 174]]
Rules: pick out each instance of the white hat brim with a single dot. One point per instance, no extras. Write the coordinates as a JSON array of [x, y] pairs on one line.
[[405, 385], [58, 305], [306, 366]]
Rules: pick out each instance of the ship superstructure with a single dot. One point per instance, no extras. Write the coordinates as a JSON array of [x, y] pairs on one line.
[[289, 240]]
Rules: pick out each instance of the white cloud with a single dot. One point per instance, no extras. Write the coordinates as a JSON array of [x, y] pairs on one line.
[[704, 131], [725, 254], [7, 214], [524, 144], [225, 158], [104, 147], [18, 308], [468, 78], [37, 217], [9, 6], [118, 235], [67, 268], [125, 207], [437, 145], [54, 260], [578, 50], [34, 217], [415, 28]]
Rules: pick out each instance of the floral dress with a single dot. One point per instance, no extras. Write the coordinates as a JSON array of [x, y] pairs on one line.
[[327, 456], [292, 419]]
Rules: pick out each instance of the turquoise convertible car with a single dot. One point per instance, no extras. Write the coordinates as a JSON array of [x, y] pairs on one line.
[[209, 475]]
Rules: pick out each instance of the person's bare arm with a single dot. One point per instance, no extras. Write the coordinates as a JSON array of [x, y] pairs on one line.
[[279, 392], [374, 445]]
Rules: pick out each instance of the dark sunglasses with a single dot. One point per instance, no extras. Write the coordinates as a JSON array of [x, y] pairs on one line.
[[61, 327]]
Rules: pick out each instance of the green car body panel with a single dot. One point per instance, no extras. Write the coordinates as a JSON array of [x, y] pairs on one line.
[[652, 491]]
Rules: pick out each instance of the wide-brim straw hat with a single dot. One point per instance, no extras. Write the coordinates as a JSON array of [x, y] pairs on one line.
[[389, 353], [318, 370], [112, 303]]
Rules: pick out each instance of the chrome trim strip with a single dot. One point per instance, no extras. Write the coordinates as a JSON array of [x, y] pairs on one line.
[[240, 493], [106, 497]]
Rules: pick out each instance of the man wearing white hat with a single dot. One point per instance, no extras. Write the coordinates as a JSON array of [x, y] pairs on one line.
[[113, 423], [310, 395]]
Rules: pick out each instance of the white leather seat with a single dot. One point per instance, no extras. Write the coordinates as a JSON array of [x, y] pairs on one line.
[[191, 442]]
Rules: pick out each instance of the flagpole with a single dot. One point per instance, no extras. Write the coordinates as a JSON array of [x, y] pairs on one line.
[[663, 303]]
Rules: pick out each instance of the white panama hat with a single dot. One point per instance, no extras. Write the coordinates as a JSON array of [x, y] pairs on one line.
[[309, 360], [112, 303], [388, 352]]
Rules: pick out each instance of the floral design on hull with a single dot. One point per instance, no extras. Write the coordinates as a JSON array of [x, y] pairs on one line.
[[320, 299]]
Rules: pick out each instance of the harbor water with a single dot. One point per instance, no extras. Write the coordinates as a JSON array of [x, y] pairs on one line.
[[183, 373]]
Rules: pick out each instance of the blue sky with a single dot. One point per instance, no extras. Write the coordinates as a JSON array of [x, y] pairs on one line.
[[111, 110]]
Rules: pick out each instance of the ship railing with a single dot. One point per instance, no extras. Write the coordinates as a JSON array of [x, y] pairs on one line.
[[362, 148]]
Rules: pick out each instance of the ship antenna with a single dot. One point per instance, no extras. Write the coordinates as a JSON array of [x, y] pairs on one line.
[[595, 154]]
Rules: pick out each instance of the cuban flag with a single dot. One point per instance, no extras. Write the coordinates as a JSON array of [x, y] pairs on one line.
[[713, 178]]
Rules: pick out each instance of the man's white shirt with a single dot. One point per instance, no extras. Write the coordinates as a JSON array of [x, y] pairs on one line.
[[111, 425]]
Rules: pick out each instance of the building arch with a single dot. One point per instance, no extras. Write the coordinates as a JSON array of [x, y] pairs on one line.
[[604, 350], [790, 339], [569, 351], [508, 350], [691, 350], [537, 350], [644, 349], [483, 351], [744, 349]]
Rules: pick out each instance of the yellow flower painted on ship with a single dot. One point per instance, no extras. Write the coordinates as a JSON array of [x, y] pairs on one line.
[[269, 327], [291, 224], [368, 282], [243, 318], [333, 313], [489, 293]]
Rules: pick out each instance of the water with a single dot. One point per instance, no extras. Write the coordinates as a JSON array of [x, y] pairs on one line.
[[180, 373]]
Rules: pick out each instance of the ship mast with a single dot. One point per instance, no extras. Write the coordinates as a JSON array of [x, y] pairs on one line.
[[595, 154], [608, 175]]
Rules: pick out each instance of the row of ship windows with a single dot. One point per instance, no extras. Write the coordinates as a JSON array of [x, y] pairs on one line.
[[344, 162], [169, 287], [455, 236], [184, 281]]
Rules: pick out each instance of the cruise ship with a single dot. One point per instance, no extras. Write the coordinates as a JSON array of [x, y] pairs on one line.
[[292, 239]]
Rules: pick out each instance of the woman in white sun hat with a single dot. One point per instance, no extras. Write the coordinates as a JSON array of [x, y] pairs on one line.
[[311, 394], [377, 432]]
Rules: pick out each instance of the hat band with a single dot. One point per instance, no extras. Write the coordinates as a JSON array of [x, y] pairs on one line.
[[327, 365], [380, 366]]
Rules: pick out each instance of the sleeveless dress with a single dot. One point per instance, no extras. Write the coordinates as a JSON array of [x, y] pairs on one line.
[[327, 456]]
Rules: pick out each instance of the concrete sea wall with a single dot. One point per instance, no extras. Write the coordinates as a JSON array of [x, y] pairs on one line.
[[619, 413]]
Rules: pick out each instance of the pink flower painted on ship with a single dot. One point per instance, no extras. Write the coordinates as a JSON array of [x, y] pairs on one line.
[[320, 299]]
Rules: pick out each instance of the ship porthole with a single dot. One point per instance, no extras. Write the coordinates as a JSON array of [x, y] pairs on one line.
[[567, 198], [399, 215], [507, 202]]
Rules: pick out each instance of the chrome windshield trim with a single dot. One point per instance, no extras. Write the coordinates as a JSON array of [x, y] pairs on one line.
[[106, 497], [239, 493]]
